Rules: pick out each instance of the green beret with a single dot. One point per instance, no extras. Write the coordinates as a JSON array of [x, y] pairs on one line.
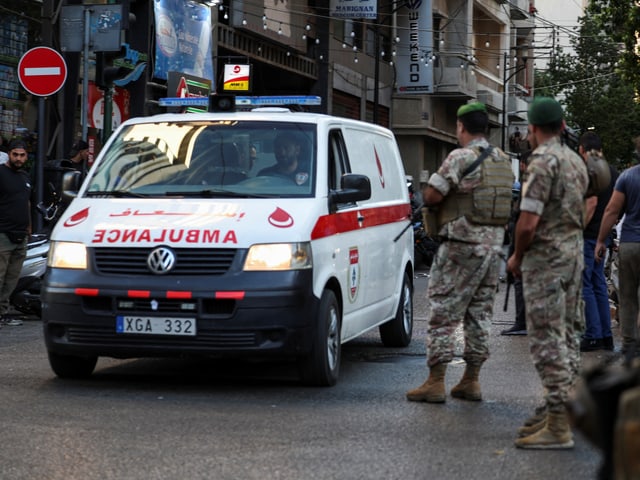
[[544, 110], [471, 107]]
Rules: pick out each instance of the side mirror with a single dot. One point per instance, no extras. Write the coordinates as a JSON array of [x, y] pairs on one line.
[[70, 185], [353, 187]]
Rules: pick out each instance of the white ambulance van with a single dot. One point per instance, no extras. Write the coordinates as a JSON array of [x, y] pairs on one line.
[[200, 235]]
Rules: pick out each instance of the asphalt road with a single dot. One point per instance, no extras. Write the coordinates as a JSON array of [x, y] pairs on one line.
[[187, 419]]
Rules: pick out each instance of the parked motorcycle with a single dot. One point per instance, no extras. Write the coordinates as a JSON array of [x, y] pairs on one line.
[[25, 297], [425, 246]]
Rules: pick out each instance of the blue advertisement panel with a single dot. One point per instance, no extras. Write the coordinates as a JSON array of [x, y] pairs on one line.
[[183, 39]]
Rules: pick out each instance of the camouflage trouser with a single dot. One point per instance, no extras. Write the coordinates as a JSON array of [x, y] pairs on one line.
[[462, 288], [11, 258], [555, 320]]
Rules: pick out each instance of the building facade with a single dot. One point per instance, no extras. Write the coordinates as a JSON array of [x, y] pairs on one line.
[[404, 65]]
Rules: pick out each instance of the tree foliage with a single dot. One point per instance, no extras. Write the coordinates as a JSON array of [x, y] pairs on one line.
[[597, 94], [620, 19]]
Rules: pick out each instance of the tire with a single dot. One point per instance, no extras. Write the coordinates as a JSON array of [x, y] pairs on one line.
[[397, 332], [71, 366], [321, 366]]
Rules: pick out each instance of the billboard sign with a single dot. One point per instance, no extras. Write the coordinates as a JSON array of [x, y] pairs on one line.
[[415, 49], [354, 9], [237, 78], [105, 25], [183, 39]]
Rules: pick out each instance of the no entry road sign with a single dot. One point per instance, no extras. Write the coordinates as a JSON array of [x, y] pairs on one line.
[[42, 71]]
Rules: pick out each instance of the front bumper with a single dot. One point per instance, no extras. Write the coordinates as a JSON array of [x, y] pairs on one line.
[[246, 313]]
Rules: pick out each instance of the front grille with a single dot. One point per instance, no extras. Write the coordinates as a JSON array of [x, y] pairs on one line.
[[103, 305], [212, 339], [189, 261]]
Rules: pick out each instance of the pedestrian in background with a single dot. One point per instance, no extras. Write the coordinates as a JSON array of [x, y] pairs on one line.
[[15, 224], [625, 199], [464, 275], [78, 157], [548, 256], [597, 335]]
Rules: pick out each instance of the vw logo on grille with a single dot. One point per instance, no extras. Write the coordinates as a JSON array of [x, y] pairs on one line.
[[161, 260]]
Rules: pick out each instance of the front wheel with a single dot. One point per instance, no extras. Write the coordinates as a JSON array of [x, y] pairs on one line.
[[71, 366], [321, 366], [397, 331]]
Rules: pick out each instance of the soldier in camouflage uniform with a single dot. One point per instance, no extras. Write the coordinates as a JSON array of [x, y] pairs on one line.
[[464, 274], [548, 255]]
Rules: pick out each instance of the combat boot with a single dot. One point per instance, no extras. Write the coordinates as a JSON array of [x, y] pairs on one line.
[[469, 387], [556, 434], [431, 391], [527, 430], [540, 414]]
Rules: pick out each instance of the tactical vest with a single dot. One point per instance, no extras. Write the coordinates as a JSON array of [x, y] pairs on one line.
[[490, 202]]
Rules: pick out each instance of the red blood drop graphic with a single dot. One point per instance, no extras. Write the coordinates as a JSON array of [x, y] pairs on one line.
[[77, 217], [281, 219]]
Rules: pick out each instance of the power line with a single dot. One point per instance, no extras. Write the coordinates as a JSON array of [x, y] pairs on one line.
[[590, 79]]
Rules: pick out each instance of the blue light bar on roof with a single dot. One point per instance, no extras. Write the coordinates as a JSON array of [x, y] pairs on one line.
[[261, 101], [279, 100]]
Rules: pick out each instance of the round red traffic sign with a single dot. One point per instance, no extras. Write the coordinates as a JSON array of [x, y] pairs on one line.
[[42, 71]]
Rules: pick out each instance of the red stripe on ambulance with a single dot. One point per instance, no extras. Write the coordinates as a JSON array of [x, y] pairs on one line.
[[139, 294], [169, 294], [87, 292], [343, 222], [229, 295]]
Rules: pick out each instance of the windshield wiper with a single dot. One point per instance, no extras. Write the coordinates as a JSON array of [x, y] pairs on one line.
[[113, 193], [210, 193]]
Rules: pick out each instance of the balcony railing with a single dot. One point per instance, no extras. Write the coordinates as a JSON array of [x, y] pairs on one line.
[[243, 44]]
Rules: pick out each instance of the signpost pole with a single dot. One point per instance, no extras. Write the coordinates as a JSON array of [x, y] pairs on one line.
[[40, 156], [85, 74], [107, 121], [42, 71]]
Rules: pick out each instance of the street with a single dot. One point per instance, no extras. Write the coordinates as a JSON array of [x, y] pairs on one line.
[[204, 419]]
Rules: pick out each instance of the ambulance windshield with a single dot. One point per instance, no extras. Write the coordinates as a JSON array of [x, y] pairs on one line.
[[225, 158]]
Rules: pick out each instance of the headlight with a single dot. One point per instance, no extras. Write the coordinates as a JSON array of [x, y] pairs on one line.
[[279, 256], [67, 255]]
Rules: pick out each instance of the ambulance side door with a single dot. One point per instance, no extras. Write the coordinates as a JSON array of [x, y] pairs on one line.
[[351, 261]]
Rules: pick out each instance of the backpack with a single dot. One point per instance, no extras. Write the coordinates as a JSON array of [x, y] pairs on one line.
[[599, 173]]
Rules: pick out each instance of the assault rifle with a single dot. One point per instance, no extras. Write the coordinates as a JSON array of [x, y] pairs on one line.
[[511, 231], [505, 307]]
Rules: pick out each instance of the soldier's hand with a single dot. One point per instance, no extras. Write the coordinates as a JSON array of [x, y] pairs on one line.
[[513, 266]]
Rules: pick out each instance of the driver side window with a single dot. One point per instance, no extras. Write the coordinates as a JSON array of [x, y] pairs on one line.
[[337, 159]]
